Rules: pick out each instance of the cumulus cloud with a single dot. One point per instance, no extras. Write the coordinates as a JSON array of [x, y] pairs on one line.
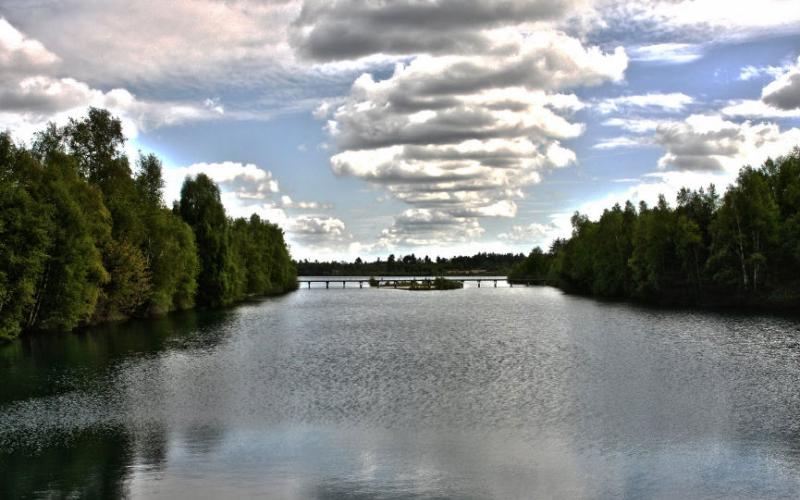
[[186, 40], [635, 125], [242, 184], [247, 182], [753, 108], [672, 102], [321, 237], [620, 142], [784, 92], [421, 227], [779, 99], [532, 233], [703, 20], [313, 229], [31, 94], [752, 72], [349, 29], [670, 53], [459, 136], [711, 143], [19, 53]]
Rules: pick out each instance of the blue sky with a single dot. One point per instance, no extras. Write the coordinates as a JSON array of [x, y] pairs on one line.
[[436, 127]]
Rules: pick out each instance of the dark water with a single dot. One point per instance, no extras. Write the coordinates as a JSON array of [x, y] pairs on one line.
[[474, 393]]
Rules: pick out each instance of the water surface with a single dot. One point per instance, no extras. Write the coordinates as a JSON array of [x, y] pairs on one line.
[[363, 393]]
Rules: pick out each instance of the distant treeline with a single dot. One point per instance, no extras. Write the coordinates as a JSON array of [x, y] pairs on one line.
[[85, 240], [739, 249], [411, 265]]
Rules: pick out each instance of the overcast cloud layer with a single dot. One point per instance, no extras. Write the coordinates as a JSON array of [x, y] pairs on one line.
[[427, 126]]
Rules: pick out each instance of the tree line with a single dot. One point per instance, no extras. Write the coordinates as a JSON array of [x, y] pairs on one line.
[[742, 248], [411, 265], [84, 239]]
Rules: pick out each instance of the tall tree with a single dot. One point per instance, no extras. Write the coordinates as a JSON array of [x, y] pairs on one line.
[[201, 208]]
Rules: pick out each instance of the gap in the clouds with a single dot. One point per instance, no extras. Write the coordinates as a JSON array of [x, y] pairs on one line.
[[715, 76], [289, 147]]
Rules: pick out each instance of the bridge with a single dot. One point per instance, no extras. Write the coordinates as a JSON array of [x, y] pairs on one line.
[[396, 281]]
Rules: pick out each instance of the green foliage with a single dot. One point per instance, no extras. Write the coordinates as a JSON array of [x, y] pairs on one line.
[[536, 266], [201, 208], [741, 249], [482, 263], [172, 253], [262, 264], [25, 229], [70, 285], [84, 240], [129, 286], [745, 232]]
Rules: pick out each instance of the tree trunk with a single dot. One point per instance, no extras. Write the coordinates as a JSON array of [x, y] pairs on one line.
[[741, 248]]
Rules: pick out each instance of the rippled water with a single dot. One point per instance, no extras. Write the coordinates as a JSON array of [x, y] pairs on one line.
[[364, 393]]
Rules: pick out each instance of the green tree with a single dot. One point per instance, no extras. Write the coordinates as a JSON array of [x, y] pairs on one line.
[[201, 208], [745, 232], [70, 284], [25, 229]]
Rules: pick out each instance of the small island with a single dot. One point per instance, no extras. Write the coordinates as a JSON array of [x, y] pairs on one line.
[[424, 284]]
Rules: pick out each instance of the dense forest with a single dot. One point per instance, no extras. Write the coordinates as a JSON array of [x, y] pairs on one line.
[[411, 265], [742, 248], [84, 239]]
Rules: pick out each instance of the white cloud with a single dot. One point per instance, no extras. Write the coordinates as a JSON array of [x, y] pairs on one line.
[[31, 96], [672, 102], [19, 53], [352, 29], [705, 20], [460, 136], [533, 233], [318, 228], [426, 227], [752, 72], [620, 142], [670, 53], [710, 143], [784, 92], [246, 181], [191, 41], [752, 108], [635, 125]]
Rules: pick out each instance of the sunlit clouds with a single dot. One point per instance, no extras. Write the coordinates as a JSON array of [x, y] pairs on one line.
[[427, 126]]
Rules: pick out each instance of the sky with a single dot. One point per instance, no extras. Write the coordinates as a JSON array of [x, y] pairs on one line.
[[433, 127]]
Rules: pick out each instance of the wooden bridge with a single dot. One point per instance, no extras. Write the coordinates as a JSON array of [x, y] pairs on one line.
[[394, 282]]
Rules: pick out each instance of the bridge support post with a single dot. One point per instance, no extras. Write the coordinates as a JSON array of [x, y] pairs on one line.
[[495, 283], [344, 284], [309, 285], [360, 284], [327, 284], [479, 283]]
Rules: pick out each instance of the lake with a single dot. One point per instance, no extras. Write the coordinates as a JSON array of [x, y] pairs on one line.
[[363, 393]]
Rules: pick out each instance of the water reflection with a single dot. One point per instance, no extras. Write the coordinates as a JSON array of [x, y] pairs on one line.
[[490, 393]]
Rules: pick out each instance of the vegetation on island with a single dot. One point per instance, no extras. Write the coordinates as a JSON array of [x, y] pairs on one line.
[[439, 283], [742, 248], [493, 264], [84, 239]]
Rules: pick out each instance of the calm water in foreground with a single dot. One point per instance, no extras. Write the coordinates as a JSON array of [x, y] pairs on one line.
[[474, 393]]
